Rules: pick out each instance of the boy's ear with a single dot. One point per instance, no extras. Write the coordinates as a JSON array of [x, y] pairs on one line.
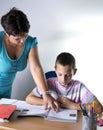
[[75, 70], [55, 67]]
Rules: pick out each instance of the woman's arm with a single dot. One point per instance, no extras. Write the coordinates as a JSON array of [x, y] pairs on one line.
[[36, 69], [38, 76]]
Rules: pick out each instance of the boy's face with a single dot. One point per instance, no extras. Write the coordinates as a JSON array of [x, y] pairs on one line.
[[64, 74]]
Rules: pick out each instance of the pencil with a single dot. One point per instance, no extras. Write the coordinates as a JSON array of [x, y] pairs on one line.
[[83, 110]]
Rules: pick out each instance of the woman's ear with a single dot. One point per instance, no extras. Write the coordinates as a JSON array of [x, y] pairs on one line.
[[75, 70]]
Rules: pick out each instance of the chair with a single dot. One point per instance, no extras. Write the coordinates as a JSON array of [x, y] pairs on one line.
[[50, 74]]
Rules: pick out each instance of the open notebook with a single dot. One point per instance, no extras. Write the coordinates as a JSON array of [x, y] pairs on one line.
[[65, 115]]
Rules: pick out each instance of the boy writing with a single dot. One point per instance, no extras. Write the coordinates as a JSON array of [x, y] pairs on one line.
[[68, 92]]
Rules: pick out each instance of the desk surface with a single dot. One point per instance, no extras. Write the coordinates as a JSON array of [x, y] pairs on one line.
[[39, 123]]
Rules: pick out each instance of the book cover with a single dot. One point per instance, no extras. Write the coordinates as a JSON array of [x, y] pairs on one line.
[[6, 111]]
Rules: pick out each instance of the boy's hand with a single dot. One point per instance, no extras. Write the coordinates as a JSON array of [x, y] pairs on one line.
[[66, 103]]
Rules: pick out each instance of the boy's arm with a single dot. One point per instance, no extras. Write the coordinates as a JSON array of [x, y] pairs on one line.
[[97, 106], [34, 100], [67, 103]]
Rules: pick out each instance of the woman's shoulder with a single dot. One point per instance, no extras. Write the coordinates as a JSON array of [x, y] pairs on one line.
[[31, 41], [1, 34], [1, 38]]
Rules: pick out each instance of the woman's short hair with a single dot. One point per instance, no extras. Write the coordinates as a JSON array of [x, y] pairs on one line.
[[15, 22]]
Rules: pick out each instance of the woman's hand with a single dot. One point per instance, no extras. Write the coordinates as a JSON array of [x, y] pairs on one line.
[[50, 102]]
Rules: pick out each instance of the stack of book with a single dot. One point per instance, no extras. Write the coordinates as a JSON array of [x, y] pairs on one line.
[[6, 112]]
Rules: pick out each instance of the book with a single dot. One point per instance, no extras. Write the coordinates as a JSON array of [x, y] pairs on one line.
[[25, 109], [7, 101], [6, 111]]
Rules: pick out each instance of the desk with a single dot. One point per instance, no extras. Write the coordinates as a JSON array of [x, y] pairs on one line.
[[39, 123]]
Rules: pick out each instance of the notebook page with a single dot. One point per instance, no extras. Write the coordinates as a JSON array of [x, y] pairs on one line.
[[63, 115]]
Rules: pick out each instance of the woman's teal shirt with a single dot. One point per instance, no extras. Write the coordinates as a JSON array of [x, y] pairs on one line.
[[9, 67]]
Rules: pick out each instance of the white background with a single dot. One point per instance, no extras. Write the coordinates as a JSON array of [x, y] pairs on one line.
[[75, 26]]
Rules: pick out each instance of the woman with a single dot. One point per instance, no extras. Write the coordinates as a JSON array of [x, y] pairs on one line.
[[16, 48]]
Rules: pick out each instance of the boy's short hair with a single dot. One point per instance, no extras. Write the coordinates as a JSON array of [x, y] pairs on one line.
[[66, 58]]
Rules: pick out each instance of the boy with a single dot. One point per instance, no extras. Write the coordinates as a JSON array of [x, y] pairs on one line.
[[68, 92]]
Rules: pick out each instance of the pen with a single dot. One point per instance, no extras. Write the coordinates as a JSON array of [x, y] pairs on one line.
[[92, 112], [25, 110], [93, 107], [83, 110]]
